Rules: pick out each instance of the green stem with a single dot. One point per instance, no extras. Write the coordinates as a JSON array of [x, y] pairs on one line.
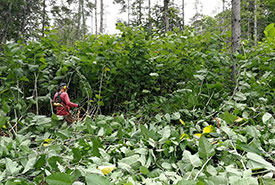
[[202, 168]]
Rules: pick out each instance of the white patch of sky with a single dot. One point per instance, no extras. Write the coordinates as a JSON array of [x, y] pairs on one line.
[[207, 7]]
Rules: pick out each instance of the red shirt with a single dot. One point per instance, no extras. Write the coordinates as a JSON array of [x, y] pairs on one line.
[[67, 103]]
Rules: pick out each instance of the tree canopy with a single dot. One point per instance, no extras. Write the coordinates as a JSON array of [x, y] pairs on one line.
[[161, 107]]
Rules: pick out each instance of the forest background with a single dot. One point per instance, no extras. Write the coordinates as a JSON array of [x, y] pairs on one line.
[[168, 103]]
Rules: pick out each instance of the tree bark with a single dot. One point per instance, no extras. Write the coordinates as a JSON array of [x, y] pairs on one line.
[[44, 18], [182, 6], [139, 12], [166, 15], [21, 30], [78, 19], [92, 21], [128, 6], [149, 15], [236, 34], [248, 29], [255, 24], [6, 28], [96, 17], [101, 16], [83, 19], [223, 17]]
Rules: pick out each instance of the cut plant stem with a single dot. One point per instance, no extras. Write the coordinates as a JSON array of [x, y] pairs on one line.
[[202, 167], [237, 154], [261, 172], [190, 173]]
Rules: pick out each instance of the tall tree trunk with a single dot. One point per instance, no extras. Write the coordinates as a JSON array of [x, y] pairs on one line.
[[96, 17], [6, 28], [139, 12], [166, 15], [83, 19], [182, 6], [92, 21], [248, 29], [128, 6], [250, 8], [255, 24], [101, 16], [236, 34], [149, 15], [78, 19], [44, 18], [21, 29], [223, 17]]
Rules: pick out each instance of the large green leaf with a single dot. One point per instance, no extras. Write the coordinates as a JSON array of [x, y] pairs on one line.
[[94, 179], [40, 162], [206, 149], [144, 170], [165, 133], [187, 182], [2, 175], [239, 96], [269, 27], [54, 160], [12, 167], [188, 158], [243, 181], [2, 121], [54, 120], [253, 131], [268, 181], [76, 154], [267, 116], [30, 164], [269, 31], [228, 118], [96, 146], [130, 160], [259, 162], [228, 131], [144, 131], [6, 108], [216, 180], [88, 123], [59, 179], [253, 147]]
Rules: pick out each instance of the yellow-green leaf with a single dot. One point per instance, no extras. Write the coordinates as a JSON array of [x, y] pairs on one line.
[[106, 69], [106, 169], [182, 122], [238, 120], [198, 135], [208, 129], [47, 140], [183, 135]]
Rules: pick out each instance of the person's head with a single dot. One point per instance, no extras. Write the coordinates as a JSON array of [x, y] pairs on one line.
[[63, 87]]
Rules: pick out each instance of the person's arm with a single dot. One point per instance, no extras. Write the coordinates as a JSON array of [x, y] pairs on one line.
[[67, 100], [54, 97]]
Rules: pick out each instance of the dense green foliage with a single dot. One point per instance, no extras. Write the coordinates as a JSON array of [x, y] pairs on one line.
[[161, 89]]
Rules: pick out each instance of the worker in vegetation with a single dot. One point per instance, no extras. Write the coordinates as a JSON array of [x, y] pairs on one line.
[[62, 103]]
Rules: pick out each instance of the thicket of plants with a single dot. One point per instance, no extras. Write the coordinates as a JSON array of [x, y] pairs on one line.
[[176, 115]]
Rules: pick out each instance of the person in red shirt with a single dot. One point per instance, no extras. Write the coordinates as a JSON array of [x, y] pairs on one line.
[[62, 103]]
